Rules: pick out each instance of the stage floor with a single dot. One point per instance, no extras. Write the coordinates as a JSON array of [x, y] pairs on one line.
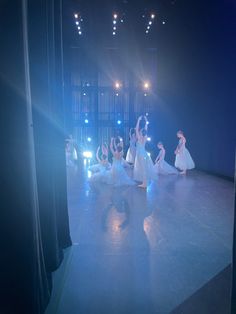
[[143, 252]]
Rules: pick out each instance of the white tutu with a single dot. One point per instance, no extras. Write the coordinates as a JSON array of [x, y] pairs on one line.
[[117, 175], [99, 167], [143, 166], [131, 153], [162, 167], [183, 159]]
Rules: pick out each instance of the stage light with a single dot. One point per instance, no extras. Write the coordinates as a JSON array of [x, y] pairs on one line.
[[79, 27], [149, 139], [84, 94], [89, 139], [148, 122], [77, 23], [115, 16], [148, 27], [146, 31], [145, 94], [150, 23], [119, 122], [152, 16], [80, 33], [122, 21], [86, 121], [117, 94], [113, 33], [146, 114], [76, 15], [114, 28], [117, 85], [163, 22], [87, 154], [114, 22], [146, 85], [149, 154]]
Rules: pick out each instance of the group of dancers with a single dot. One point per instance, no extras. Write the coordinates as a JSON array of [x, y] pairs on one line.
[[144, 170]]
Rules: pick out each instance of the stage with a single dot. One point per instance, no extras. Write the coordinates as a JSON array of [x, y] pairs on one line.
[[145, 252]]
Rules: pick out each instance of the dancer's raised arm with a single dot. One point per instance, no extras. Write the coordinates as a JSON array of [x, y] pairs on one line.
[[112, 146], [97, 154], [146, 123], [105, 149], [137, 127]]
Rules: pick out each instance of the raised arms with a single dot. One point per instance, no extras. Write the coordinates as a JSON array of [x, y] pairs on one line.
[[97, 154], [112, 145], [137, 126]]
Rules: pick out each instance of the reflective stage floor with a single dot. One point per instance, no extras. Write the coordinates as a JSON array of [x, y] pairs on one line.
[[145, 252]]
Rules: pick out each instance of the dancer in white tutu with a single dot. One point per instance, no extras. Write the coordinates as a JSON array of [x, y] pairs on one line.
[[161, 166], [131, 153], [143, 166], [103, 163], [117, 175], [183, 159]]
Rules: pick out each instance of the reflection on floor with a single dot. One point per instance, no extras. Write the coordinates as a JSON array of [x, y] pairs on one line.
[[143, 252]]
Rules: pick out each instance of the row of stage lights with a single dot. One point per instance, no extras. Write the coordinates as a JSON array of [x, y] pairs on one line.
[[78, 23], [150, 22], [145, 85], [119, 122], [118, 86], [115, 22]]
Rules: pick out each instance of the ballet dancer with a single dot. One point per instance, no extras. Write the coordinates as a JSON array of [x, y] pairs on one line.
[[143, 165], [183, 159], [117, 175], [161, 166], [131, 153], [103, 163]]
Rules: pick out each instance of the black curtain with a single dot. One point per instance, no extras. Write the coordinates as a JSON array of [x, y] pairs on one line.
[[34, 217]]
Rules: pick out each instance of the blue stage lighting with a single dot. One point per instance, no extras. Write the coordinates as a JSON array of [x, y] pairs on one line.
[[119, 122], [89, 139], [86, 121], [149, 139]]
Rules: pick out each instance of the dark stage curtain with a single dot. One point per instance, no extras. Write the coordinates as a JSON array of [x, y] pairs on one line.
[[34, 218]]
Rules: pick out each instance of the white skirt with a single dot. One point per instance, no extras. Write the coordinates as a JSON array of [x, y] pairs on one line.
[[143, 166], [164, 168], [184, 161], [117, 176], [131, 153], [99, 167]]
